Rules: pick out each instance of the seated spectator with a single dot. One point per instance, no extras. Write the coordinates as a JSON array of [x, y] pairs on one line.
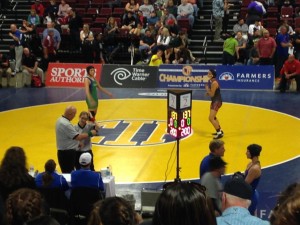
[[242, 27], [51, 9], [146, 9], [147, 43], [63, 9], [183, 203], [163, 40], [167, 17], [114, 211], [133, 7], [87, 44], [129, 22], [236, 199], [241, 51], [100, 53], [13, 172], [287, 208], [186, 10], [39, 8], [30, 67], [296, 43], [156, 59], [26, 206], [84, 177], [172, 27], [139, 31], [182, 56], [211, 180], [229, 50], [5, 69], [253, 55], [254, 27], [33, 18], [289, 71], [290, 30], [153, 18], [195, 6], [171, 7], [50, 178]]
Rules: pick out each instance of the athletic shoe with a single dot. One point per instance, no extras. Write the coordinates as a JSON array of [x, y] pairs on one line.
[[217, 133], [218, 136]]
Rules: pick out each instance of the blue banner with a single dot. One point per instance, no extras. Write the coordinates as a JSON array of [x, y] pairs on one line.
[[246, 77], [182, 76]]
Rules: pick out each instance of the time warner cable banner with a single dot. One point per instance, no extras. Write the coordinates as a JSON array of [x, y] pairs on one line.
[[246, 77], [182, 76], [126, 76]]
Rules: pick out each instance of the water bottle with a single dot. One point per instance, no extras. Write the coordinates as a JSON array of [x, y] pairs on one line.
[[108, 172], [31, 170]]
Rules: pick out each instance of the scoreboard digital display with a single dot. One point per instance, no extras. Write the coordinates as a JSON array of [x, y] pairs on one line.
[[179, 113]]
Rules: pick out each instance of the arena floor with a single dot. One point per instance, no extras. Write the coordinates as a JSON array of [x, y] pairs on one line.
[[133, 137]]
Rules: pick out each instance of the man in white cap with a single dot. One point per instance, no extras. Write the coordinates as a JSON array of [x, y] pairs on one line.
[[235, 202], [84, 177]]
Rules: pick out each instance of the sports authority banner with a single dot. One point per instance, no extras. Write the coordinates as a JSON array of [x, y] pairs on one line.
[[126, 76], [182, 76], [69, 74], [246, 77]]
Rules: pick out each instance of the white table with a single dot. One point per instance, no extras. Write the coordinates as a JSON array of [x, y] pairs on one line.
[[109, 184]]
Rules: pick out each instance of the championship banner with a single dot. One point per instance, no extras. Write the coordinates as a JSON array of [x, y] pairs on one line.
[[182, 76], [246, 77], [69, 74], [126, 76]]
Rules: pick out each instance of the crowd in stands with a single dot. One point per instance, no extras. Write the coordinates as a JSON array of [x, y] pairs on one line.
[[25, 200]]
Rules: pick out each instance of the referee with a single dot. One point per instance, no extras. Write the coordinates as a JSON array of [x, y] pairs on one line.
[[67, 140]]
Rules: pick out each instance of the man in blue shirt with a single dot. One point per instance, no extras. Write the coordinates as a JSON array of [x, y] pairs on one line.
[[216, 148], [84, 177], [235, 202]]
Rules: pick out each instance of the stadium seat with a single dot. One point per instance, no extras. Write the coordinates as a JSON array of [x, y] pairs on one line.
[[118, 12], [287, 11], [105, 12], [100, 22], [297, 22], [270, 22]]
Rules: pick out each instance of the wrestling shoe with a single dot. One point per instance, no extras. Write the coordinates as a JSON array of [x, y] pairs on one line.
[[217, 133], [218, 136]]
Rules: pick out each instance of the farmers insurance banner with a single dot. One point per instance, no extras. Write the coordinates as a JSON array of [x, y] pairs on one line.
[[183, 76], [246, 77], [123, 76], [69, 74]]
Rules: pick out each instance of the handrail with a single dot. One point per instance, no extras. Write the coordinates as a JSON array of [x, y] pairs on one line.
[[205, 49]]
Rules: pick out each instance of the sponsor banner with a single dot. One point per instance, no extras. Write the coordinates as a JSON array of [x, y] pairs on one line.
[[183, 76], [266, 203], [246, 77], [69, 74], [126, 76]]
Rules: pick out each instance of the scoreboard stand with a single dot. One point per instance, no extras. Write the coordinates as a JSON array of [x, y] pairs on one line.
[[179, 118]]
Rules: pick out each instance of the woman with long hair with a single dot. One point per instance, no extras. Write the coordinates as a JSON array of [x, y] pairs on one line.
[[213, 91]]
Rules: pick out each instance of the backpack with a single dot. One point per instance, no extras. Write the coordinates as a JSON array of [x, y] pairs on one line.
[[36, 81]]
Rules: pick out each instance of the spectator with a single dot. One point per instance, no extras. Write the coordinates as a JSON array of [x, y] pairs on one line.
[[75, 24], [218, 14], [296, 43], [30, 67], [266, 47], [63, 9], [50, 178], [254, 27], [211, 180], [289, 71], [16, 35], [51, 9], [171, 7], [100, 53], [111, 44], [156, 59], [39, 8], [146, 9], [172, 27], [216, 148], [13, 172], [255, 12], [153, 17], [84, 177], [129, 21], [67, 140], [242, 27], [56, 35], [87, 44], [195, 7], [85, 145], [33, 18], [133, 7], [163, 40], [287, 208], [282, 50], [229, 50], [236, 198], [186, 10], [285, 23], [253, 173], [147, 43], [26, 206], [241, 48], [113, 211], [183, 204], [50, 53], [253, 54], [5, 69], [167, 17]]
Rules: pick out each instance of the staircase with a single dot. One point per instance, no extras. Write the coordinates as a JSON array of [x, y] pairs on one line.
[[202, 29]]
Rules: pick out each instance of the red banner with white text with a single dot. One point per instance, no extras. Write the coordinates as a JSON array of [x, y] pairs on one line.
[[69, 74]]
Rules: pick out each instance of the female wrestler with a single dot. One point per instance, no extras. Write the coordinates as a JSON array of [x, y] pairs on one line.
[[91, 85], [213, 90], [253, 173]]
